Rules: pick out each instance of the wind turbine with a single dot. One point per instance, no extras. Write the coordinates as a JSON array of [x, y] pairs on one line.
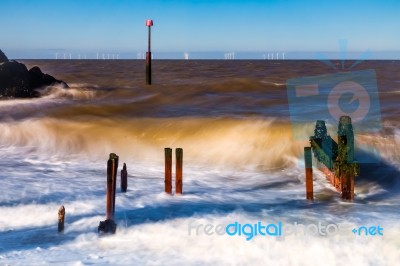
[[186, 55]]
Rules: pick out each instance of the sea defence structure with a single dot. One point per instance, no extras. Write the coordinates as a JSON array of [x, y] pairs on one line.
[[178, 171], [109, 226], [335, 160], [61, 218], [124, 179]]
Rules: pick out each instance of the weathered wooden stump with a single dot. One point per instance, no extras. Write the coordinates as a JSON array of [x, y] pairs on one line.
[[309, 173], [124, 179], [168, 170], [115, 160], [61, 218], [336, 160], [346, 167], [179, 174], [108, 226]]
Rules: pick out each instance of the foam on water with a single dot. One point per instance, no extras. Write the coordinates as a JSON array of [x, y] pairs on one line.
[[240, 164], [153, 227]]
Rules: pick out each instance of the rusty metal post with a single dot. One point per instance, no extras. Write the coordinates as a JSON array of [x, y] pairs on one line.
[[124, 179], [168, 170], [309, 173], [179, 174], [61, 218]]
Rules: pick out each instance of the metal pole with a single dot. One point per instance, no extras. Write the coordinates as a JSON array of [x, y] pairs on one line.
[[149, 23], [149, 40]]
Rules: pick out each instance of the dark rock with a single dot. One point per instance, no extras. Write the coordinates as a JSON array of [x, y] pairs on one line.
[[37, 79], [3, 57], [107, 227], [16, 81]]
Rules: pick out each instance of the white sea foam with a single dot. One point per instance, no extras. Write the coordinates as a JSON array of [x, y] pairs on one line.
[[153, 227]]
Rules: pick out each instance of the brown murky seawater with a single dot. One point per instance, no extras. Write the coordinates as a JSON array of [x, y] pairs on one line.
[[232, 113]]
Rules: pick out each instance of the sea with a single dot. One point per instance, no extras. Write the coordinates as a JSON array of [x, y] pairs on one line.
[[243, 167]]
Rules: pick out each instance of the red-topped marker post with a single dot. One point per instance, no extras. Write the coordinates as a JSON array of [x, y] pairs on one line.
[[149, 24]]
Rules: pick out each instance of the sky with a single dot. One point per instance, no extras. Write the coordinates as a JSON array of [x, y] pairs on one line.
[[251, 28]]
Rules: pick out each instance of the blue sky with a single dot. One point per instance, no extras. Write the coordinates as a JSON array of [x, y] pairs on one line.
[[41, 28]]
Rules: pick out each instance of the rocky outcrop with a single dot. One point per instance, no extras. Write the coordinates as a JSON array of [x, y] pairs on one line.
[[3, 57], [17, 82], [14, 80], [38, 79]]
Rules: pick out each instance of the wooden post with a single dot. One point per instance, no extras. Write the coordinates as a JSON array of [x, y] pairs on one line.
[[124, 179], [309, 173], [338, 158], [168, 170], [347, 193], [115, 160], [347, 166], [109, 196], [345, 188], [109, 226], [61, 218], [351, 187], [179, 164]]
